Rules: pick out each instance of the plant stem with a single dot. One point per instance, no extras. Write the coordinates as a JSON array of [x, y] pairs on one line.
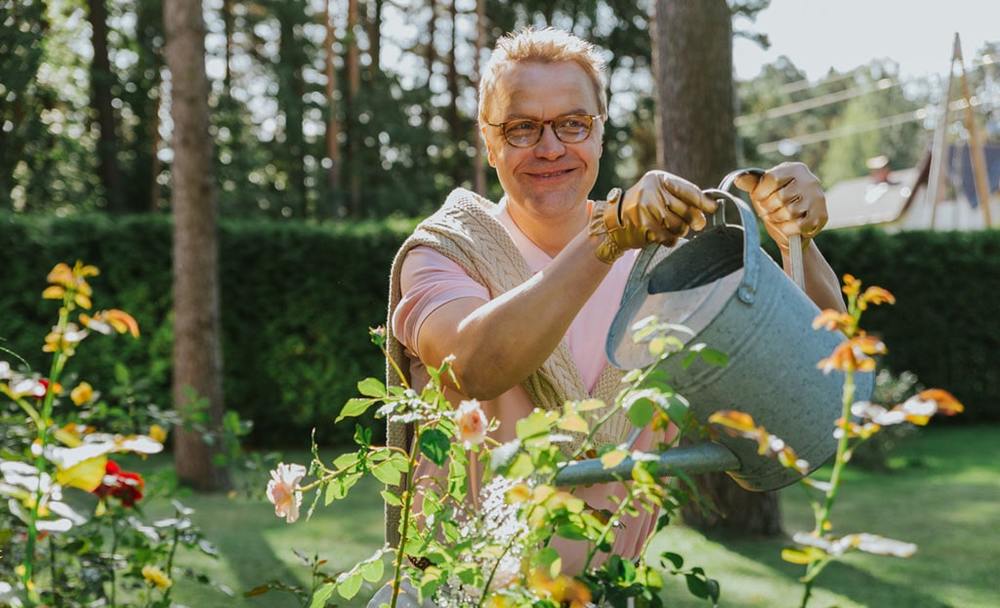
[[607, 528], [838, 464], [407, 500], [111, 563], [56, 598], [58, 360], [170, 561], [806, 594]]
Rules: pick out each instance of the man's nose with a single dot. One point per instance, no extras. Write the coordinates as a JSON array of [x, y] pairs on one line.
[[549, 146]]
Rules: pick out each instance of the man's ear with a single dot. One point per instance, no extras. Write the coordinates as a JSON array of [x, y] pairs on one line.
[[489, 149]]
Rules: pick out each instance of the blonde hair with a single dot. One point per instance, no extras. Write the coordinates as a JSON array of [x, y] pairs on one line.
[[547, 45]]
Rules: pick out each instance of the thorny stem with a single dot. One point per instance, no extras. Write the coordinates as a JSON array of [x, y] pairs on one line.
[[407, 499], [577, 454], [56, 598], [111, 562], [612, 520], [58, 360]]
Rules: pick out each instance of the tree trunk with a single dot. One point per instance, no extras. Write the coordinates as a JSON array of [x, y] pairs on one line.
[[353, 88], [290, 98], [458, 173], [101, 79], [477, 160], [197, 354], [693, 65], [375, 39], [431, 35], [332, 123], [227, 23]]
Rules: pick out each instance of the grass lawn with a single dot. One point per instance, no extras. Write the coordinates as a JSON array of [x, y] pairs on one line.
[[943, 493]]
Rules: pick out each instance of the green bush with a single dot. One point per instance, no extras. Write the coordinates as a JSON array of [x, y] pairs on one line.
[[297, 300]]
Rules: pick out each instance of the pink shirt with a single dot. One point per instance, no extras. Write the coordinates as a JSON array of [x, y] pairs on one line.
[[429, 280]]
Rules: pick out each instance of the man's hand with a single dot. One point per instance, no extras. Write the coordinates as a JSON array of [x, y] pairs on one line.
[[790, 201], [660, 208]]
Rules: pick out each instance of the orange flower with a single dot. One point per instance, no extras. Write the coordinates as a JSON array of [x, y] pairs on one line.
[[471, 423], [853, 355], [875, 296], [562, 589], [74, 279], [831, 320], [851, 285], [738, 421], [110, 320]]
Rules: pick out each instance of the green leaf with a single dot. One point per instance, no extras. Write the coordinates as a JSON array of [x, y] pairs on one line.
[[372, 571], [345, 461], [322, 595], [536, 424], [521, 468], [434, 445], [354, 407], [548, 559], [371, 387], [350, 586], [697, 586], [613, 458], [340, 486], [641, 412], [715, 357], [386, 473], [673, 558], [391, 499]]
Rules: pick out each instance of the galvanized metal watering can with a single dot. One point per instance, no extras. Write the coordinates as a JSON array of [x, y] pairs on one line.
[[732, 296]]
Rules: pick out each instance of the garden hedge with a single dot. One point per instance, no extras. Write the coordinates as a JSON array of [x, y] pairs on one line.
[[297, 300]]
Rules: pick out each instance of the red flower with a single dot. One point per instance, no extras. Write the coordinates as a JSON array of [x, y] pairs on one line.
[[123, 485]]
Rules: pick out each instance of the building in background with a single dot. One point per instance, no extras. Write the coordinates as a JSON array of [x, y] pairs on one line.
[[898, 200]]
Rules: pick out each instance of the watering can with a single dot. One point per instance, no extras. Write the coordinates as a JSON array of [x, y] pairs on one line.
[[732, 296]]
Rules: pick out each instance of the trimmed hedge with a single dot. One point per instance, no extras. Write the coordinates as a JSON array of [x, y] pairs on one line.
[[297, 300]]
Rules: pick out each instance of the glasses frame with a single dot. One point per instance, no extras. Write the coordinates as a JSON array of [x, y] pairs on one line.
[[550, 123]]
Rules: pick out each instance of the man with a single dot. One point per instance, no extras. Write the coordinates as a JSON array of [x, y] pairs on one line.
[[523, 293]]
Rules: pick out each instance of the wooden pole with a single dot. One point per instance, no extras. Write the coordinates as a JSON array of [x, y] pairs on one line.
[[976, 151], [935, 183]]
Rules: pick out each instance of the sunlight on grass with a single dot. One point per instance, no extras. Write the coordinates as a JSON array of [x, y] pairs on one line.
[[946, 503]]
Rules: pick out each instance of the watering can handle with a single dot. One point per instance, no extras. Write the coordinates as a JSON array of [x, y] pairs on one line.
[[794, 241]]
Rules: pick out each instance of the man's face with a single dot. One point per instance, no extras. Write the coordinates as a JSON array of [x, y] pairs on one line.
[[551, 177]]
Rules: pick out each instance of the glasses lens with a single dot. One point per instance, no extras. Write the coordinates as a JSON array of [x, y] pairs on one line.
[[572, 129], [522, 133]]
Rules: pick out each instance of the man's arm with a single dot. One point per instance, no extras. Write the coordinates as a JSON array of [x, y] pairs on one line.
[[499, 343]]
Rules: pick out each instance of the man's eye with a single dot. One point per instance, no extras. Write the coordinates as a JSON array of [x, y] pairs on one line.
[[524, 126], [572, 123]]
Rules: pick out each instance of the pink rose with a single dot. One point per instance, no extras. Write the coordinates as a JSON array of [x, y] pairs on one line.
[[471, 423], [283, 490]]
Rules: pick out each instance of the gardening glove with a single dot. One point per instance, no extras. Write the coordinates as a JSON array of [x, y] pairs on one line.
[[789, 199], [660, 208]]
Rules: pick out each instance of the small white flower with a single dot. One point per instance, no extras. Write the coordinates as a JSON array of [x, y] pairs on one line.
[[283, 490], [4, 373]]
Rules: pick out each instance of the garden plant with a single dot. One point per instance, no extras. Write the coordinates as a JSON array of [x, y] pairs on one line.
[[859, 422], [74, 532]]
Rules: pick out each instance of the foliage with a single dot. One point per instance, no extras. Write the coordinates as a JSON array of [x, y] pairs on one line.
[[74, 516], [289, 306], [491, 547], [858, 422]]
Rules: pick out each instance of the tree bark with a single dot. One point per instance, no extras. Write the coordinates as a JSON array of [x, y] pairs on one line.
[[696, 139], [197, 352], [332, 122], [353, 88], [101, 79], [477, 161], [375, 39], [431, 35], [227, 22], [291, 90]]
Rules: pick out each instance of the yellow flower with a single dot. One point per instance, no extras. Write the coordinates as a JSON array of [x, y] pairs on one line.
[[82, 394], [86, 475], [155, 576], [158, 433]]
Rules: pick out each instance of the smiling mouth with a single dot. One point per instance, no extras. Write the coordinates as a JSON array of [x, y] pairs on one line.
[[551, 174]]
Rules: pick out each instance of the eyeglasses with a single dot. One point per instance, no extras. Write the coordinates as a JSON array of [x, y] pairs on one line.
[[569, 129]]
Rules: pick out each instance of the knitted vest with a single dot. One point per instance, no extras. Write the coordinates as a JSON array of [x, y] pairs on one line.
[[464, 231]]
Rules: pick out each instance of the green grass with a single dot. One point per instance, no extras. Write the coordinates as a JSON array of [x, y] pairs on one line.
[[943, 493]]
